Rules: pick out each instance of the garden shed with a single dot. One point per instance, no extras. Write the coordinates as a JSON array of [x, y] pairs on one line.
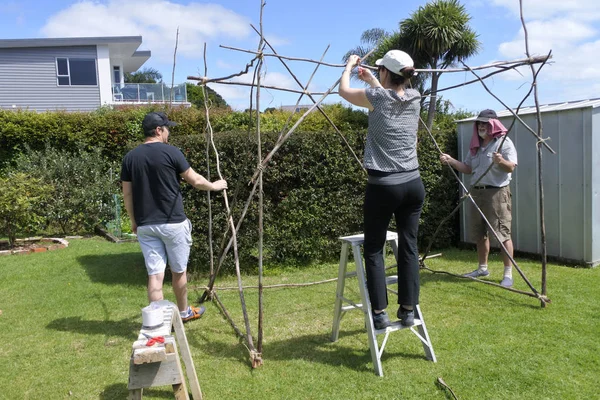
[[571, 180]]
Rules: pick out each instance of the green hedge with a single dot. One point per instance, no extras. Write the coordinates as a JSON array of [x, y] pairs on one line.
[[116, 130], [313, 193], [313, 187]]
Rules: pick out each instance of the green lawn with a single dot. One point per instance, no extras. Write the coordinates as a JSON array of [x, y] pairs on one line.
[[69, 317]]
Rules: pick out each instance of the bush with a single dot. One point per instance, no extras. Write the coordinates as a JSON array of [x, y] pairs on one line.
[[313, 187], [22, 200], [84, 183]]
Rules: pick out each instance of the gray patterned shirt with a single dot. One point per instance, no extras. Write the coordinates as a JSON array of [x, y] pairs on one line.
[[392, 135]]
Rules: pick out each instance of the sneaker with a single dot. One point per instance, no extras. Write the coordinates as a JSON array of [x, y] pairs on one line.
[[506, 282], [477, 273], [407, 317], [193, 313], [381, 320]]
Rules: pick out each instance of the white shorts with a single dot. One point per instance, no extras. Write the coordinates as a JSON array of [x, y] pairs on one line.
[[164, 243]]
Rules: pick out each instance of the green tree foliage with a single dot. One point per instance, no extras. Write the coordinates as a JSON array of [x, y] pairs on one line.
[[437, 36], [146, 75], [196, 97], [22, 200]]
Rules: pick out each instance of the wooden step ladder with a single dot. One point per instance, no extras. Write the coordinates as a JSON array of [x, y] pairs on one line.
[[342, 304], [160, 364]]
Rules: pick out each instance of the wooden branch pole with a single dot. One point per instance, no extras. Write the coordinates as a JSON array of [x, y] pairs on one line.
[[209, 133], [539, 158], [235, 247], [257, 178], [257, 359], [511, 111], [173, 71], [310, 96]]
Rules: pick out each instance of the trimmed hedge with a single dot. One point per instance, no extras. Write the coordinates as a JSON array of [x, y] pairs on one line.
[[313, 193], [313, 187]]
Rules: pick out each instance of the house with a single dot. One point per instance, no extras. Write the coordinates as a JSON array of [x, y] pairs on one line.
[[75, 74], [571, 179]]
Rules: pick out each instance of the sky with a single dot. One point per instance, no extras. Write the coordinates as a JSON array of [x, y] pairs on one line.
[[570, 29]]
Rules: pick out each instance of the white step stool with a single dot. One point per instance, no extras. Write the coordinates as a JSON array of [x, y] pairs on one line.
[[340, 309]]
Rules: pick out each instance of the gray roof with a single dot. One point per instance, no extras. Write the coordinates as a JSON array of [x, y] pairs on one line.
[[72, 41], [568, 105], [123, 47]]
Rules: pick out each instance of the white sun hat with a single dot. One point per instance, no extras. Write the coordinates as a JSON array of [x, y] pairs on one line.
[[396, 61]]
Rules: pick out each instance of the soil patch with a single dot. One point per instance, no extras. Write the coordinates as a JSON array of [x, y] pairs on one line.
[[32, 245]]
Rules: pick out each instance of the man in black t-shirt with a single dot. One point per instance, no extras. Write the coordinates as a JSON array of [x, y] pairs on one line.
[[150, 175]]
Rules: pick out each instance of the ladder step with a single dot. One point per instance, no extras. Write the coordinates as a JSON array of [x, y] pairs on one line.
[[396, 326]]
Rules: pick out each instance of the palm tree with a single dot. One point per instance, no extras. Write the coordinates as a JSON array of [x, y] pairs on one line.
[[370, 39], [437, 36]]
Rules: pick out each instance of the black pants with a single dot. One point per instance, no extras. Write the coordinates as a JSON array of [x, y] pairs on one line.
[[404, 202]]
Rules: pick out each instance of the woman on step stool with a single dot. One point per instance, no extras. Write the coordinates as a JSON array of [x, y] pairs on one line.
[[394, 186]]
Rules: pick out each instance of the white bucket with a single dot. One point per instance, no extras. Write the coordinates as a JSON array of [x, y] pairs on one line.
[[152, 316]]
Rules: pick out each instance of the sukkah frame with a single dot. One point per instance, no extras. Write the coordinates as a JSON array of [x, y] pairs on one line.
[[257, 179]]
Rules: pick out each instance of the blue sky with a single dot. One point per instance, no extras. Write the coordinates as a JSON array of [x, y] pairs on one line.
[[571, 29]]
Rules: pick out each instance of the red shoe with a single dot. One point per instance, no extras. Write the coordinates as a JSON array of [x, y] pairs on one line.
[[194, 313]]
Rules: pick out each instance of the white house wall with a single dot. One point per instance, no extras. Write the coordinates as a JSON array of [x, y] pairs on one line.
[[104, 74], [28, 80]]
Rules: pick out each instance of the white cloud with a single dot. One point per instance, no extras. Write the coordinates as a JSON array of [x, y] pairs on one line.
[[155, 20], [570, 29], [238, 97], [276, 41], [536, 9]]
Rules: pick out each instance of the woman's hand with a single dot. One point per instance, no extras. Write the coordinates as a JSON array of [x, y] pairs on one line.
[[353, 61], [365, 74]]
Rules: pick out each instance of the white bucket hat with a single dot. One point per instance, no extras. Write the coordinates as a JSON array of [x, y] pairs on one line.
[[396, 61]]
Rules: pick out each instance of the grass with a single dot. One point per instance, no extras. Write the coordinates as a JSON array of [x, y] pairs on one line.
[[69, 317]]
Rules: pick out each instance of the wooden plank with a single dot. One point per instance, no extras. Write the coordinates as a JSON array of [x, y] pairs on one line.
[[149, 355], [180, 392], [163, 373], [135, 394], [186, 354]]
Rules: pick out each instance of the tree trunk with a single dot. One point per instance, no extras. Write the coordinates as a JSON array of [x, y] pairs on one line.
[[435, 76]]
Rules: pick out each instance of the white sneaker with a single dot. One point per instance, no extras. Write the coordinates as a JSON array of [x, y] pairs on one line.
[[506, 282], [477, 273]]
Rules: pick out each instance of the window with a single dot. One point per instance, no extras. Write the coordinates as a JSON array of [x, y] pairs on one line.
[[117, 74], [76, 71]]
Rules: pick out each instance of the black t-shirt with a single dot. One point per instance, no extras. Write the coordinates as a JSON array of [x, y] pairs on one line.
[[153, 170]]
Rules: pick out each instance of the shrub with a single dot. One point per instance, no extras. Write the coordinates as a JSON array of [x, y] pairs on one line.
[[21, 204], [84, 183]]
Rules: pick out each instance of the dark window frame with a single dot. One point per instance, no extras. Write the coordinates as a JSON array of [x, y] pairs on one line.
[[68, 76]]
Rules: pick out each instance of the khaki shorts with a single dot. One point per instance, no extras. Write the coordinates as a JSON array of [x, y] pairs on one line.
[[164, 244], [496, 205]]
